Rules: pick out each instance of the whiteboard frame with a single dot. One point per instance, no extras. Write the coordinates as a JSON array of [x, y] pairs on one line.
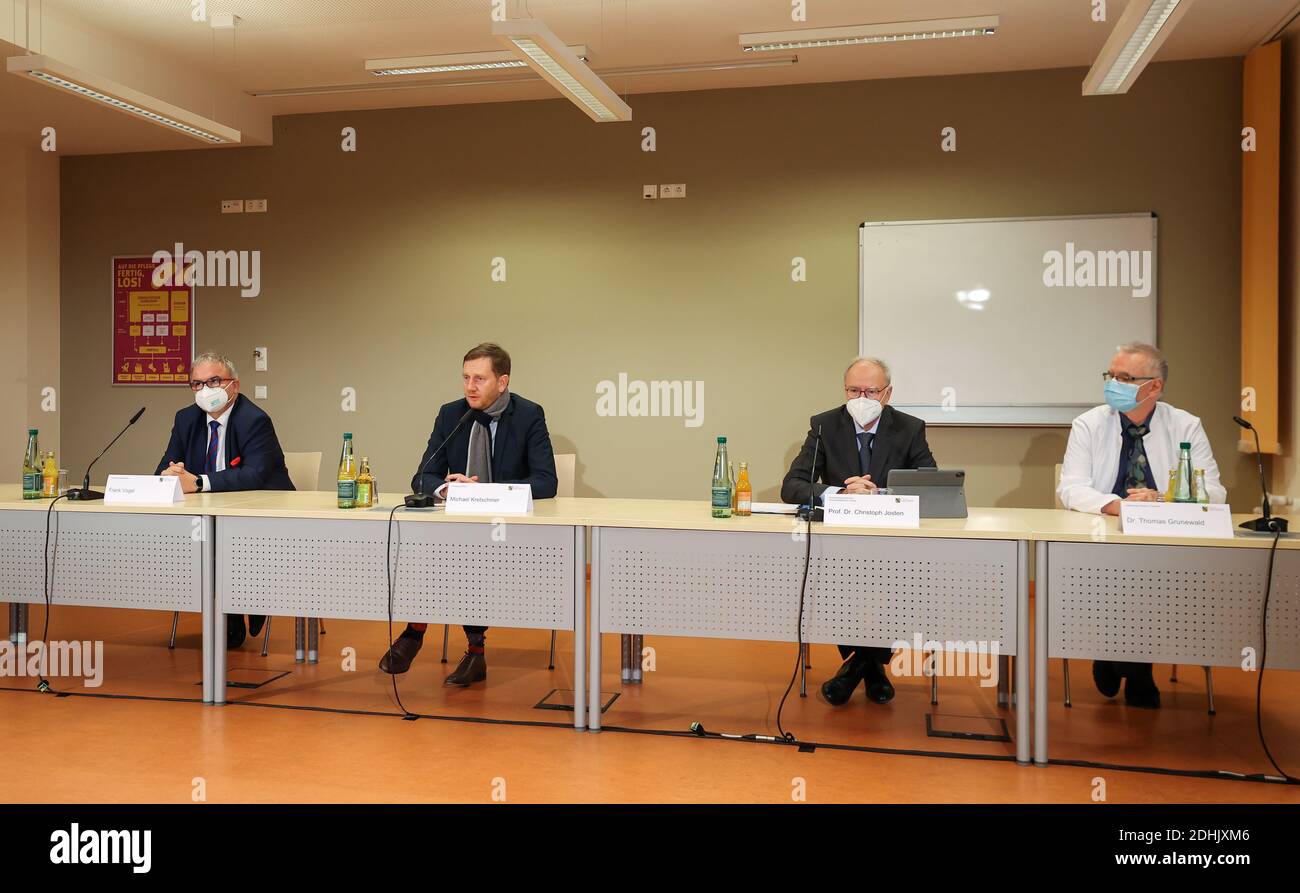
[[987, 415]]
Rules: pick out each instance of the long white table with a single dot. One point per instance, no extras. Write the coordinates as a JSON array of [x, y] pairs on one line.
[[1102, 595], [298, 554], [668, 568]]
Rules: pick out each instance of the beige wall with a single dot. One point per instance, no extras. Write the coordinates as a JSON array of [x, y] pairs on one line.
[[29, 300], [376, 265]]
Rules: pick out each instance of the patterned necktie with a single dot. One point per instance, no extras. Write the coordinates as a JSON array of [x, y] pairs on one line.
[[865, 440], [1139, 472], [214, 440]]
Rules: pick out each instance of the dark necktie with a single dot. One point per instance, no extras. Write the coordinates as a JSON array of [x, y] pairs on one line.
[[1139, 473], [865, 440], [214, 440]]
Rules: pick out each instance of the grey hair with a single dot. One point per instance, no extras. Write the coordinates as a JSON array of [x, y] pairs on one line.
[[211, 356], [1156, 362], [875, 361]]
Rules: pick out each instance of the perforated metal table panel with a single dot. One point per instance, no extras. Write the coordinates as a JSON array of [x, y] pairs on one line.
[[873, 590], [104, 559], [1178, 604], [530, 576], [158, 562]]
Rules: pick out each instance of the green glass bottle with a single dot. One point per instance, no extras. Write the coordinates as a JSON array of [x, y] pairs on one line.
[[32, 467], [721, 482], [347, 479]]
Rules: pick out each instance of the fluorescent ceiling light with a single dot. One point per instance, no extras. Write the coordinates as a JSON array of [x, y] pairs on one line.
[[559, 65], [854, 35], [527, 77], [1139, 32], [455, 62], [98, 89]]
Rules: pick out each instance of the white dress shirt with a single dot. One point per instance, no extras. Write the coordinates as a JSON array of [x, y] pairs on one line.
[[1092, 455]]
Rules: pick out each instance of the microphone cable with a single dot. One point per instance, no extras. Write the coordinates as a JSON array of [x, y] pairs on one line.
[[49, 560], [1263, 659], [390, 572], [789, 737]]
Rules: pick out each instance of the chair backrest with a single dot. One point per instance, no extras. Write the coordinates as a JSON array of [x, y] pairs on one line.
[[565, 465], [304, 469], [1056, 485]]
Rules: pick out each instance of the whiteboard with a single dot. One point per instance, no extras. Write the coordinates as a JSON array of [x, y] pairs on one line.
[[1004, 321]]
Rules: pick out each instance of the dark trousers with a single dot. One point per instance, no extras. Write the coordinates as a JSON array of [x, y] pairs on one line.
[[879, 655]]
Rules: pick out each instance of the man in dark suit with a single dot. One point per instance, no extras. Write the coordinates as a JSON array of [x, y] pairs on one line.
[[224, 442], [505, 441], [861, 442]]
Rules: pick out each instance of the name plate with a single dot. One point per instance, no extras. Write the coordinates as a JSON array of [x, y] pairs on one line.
[[143, 489], [1186, 519], [868, 510], [489, 499]]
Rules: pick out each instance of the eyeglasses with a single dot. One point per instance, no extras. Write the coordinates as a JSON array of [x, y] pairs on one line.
[[1125, 377], [215, 381], [873, 393]]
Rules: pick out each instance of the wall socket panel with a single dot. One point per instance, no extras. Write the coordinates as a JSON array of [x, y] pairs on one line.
[[255, 206], [259, 359], [259, 391], [232, 206], [650, 191], [672, 190]]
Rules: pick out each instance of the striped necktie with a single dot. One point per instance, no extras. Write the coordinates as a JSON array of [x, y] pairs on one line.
[[214, 441]]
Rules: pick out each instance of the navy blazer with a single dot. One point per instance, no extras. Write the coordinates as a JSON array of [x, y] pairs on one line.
[[900, 443], [521, 450], [250, 437]]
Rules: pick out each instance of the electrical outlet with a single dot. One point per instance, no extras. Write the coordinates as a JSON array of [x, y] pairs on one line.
[[255, 206], [650, 191], [259, 359], [672, 190], [232, 206], [259, 391]]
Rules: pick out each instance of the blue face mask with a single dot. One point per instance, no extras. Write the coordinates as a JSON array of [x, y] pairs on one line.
[[1122, 395]]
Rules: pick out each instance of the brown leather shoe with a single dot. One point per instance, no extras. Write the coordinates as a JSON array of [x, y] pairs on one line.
[[472, 668], [397, 659]]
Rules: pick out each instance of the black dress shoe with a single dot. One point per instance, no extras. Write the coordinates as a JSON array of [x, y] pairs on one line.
[[255, 624], [839, 688], [1106, 676], [397, 659], [879, 688], [1140, 690], [472, 668], [235, 633]]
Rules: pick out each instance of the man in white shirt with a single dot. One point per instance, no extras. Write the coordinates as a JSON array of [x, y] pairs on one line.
[[1124, 450]]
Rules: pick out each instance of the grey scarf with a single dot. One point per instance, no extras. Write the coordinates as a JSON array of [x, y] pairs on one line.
[[479, 460]]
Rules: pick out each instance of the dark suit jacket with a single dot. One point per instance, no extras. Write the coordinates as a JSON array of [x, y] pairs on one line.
[[521, 450], [250, 436], [900, 443]]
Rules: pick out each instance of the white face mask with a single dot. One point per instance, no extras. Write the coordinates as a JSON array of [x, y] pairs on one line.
[[864, 410], [211, 399]]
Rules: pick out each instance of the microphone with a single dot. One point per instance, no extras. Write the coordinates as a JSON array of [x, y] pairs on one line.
[[85, 494], [1266, 524], [813, 512], [419, 499]]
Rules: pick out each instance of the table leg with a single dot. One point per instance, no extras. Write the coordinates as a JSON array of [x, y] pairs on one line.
[[1022, 655], [218, 633], [580, 628], [593, 680], [13, 622], [208, 606], [1041, 655], [299, 634]]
